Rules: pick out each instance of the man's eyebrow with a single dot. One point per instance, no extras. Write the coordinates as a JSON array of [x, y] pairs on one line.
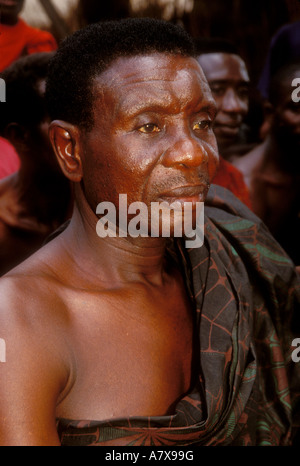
[[132, 111], [209, 108], [151, 107]]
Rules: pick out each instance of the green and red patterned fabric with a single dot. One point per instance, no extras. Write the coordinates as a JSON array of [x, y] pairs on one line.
[[247, 313]]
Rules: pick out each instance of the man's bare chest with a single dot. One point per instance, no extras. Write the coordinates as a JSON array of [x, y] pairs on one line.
[[133, 355]]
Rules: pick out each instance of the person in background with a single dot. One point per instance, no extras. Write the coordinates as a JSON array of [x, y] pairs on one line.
[[272, 169], [284, 48], [228, 78], [30, 207], [17, 38]]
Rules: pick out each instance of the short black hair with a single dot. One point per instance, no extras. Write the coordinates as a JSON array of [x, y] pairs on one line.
[[88, 52], [205, 45], [25, 104]]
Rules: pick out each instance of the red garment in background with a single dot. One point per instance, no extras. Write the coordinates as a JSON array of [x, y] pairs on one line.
[[22, 39], [9, 159], [230, 177]]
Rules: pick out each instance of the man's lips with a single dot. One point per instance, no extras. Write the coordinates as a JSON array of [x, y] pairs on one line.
[[188, 193], [227, 128]]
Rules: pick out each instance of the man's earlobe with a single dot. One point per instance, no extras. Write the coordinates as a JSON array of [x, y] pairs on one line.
[[64, 138]]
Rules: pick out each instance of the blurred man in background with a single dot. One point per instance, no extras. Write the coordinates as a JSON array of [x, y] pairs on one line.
[[228, 79], [272, 169], [30, 207], [17, 38]]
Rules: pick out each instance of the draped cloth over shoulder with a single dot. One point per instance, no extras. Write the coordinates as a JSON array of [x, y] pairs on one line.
[[247, 305]]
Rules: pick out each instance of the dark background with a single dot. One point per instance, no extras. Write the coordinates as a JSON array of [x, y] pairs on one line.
[[249, 23]]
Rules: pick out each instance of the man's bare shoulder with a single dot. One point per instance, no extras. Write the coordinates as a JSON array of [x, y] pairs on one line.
[[35, 355], [32, 288], [31, 316]]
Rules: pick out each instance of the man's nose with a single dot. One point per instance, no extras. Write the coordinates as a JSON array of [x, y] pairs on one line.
[[187, 151], [231, 102]]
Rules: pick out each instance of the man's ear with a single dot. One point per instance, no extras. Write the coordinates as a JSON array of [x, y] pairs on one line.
[[64, 138]]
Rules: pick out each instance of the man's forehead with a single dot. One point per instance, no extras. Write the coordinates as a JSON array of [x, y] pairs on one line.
[[223, 66], [150, 75], [155, 66]]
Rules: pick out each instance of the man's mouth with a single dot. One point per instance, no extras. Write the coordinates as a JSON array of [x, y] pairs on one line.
[[229, 130], [188, 193]]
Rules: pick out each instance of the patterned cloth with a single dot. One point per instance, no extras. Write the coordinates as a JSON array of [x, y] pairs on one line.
[[247, 303]]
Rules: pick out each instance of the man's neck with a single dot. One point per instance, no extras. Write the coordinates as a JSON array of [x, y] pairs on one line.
[[115, 260]]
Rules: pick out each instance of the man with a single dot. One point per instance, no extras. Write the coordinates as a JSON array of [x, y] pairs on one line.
[[284, 48], [30, 209], [228, 78], [272, 169], [136, 340], [18, 38]]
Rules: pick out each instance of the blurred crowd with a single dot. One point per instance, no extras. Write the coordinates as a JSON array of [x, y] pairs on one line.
[[257, 128]]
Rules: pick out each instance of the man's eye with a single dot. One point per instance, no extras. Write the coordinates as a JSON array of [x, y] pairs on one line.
[[203, 124], [218, 91], [243, 92], [149, 128]]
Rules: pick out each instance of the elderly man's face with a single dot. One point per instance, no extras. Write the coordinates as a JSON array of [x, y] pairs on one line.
[[229, 81], [152, 137]]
